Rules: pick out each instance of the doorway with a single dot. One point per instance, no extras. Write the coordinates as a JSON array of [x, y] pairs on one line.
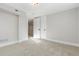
[[37, 28], [30, 28]]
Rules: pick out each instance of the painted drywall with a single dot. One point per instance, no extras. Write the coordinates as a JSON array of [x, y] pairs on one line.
[[13, 28], [8, 27], [78, 23], [63, 26], [23, 27]]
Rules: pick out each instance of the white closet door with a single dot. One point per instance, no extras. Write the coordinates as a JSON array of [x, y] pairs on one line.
[[37, 28], [43, 27], [23, 27]]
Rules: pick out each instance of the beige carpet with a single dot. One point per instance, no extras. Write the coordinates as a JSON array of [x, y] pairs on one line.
[[38, 47]]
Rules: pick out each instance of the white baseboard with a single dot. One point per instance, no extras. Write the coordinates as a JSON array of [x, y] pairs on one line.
[[62, 42], [9, 43], [22, 41]]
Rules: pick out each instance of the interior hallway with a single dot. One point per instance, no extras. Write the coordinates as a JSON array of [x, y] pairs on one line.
[[38, 47]]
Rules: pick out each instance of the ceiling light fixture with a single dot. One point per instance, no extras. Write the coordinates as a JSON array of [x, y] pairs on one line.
[[35, 3]]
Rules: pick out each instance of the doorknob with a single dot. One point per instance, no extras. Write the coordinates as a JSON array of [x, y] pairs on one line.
[[44, 29], [38, 29]]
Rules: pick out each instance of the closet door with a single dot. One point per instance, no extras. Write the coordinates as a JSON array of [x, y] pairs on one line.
[[43, 27], [40, 27], [37, 28]]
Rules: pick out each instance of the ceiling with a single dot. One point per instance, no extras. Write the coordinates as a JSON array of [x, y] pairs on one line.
[[42, 8]]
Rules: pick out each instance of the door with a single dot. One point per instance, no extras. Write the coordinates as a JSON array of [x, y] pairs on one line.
[[37, 27], [43, 27], [40, 27]]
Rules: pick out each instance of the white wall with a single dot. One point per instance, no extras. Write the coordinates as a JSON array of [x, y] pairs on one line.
[[78, 23], [13, 28], [8, 27], [63, 26], [23, 27]]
